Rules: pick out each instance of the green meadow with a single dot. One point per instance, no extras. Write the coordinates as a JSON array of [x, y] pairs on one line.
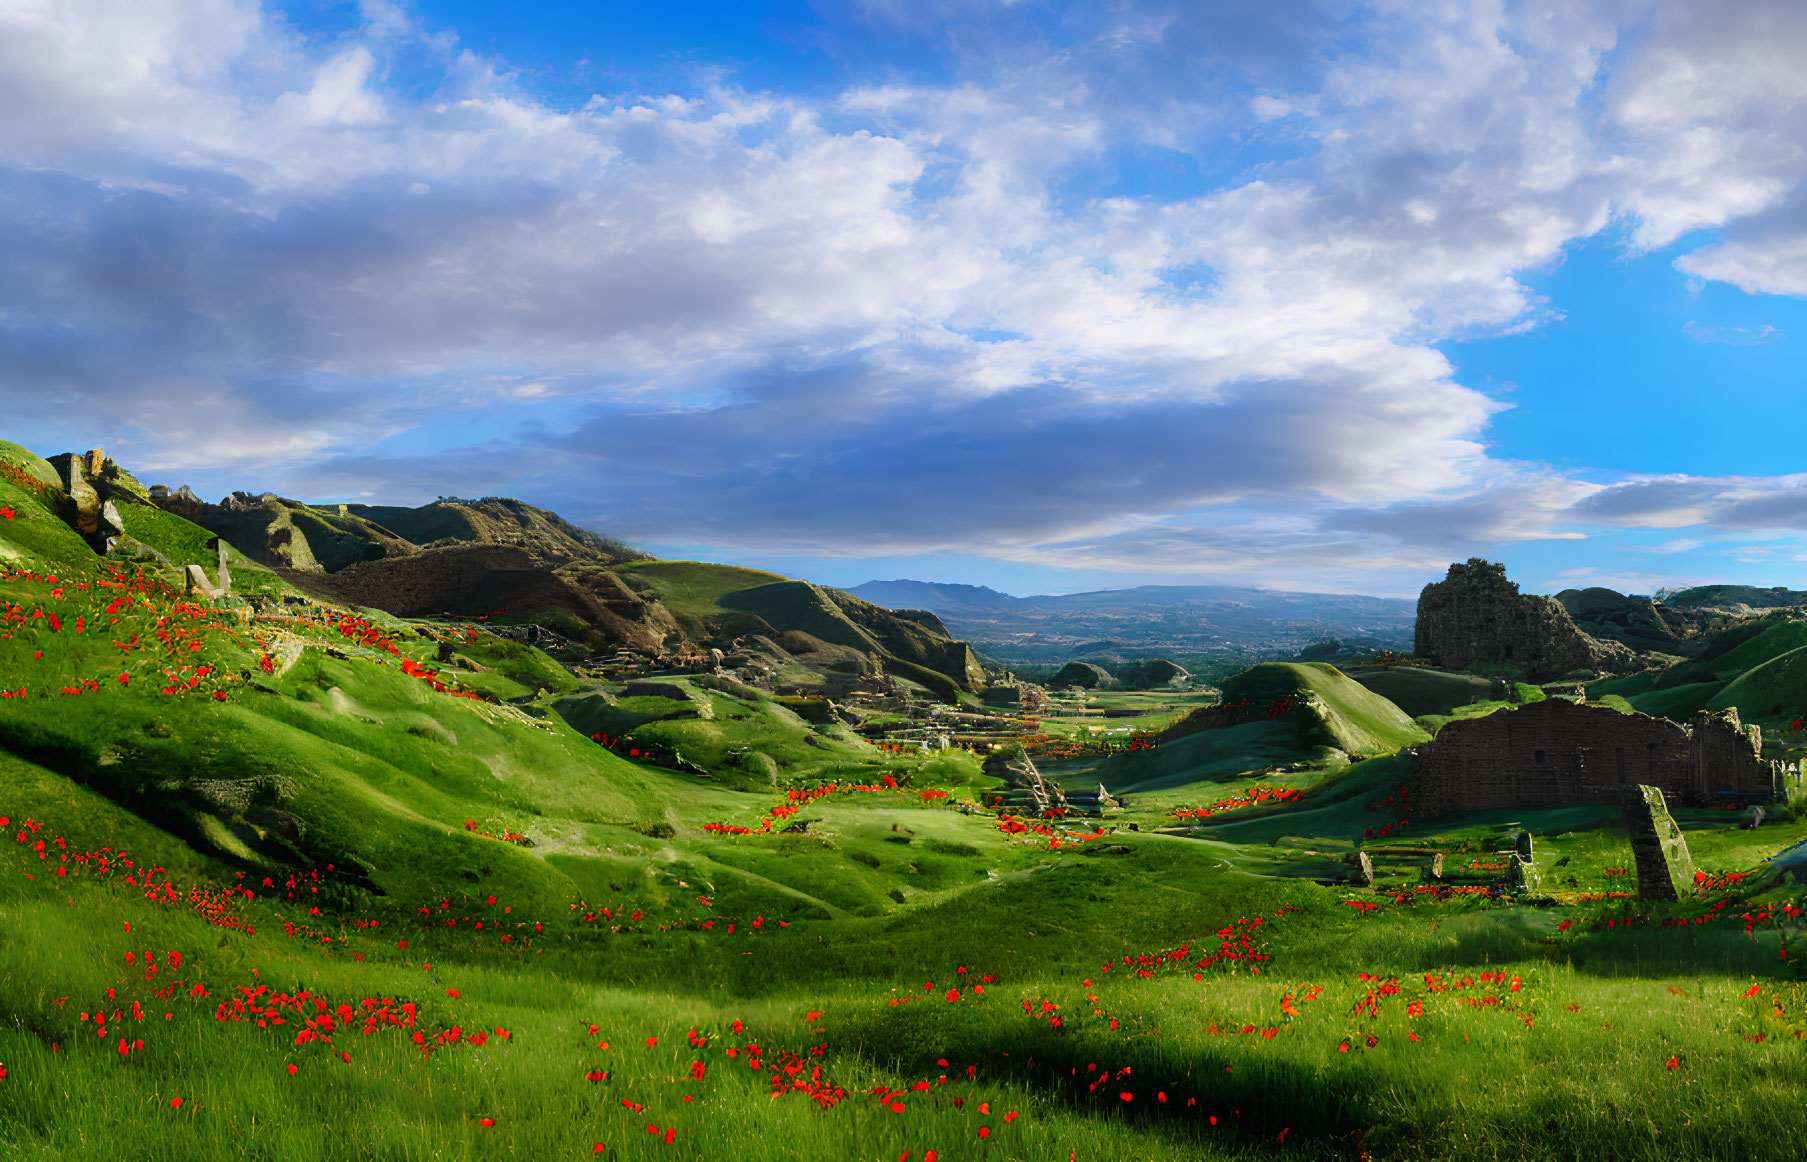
[[312, 882]]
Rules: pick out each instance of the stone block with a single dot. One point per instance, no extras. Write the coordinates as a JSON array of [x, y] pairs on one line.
[[1524, 875], [195, 583], [1665, 869]]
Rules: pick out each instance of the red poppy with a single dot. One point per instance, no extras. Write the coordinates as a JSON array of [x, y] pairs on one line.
[[175, 1103]]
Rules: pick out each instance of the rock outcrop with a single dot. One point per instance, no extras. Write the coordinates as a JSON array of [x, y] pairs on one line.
[[95, 486], [1476, 616], [477, 579]]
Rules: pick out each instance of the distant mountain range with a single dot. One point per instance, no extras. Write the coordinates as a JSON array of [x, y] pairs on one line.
[[1193, 620]]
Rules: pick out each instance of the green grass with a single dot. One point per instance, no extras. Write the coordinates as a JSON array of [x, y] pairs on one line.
[[1209, 756], [1340, 712], [1755, 666], [1771, 692], [1420, 690], [695, 588], [837, 942]]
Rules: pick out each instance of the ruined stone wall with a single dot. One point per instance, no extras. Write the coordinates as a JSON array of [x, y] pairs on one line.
[[1476, 615], [1557, 751], [1549, 753], [1728, 756]]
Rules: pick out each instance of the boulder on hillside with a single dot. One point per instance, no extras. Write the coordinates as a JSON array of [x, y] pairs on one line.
[[1083, 674], [1476, 616]]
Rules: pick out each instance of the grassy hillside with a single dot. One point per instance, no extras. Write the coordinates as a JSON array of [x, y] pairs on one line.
[[1335, 710], [1208, 756], [285, 885], [1421, 690], [1756, 666], [694, 589], [1306, 713]]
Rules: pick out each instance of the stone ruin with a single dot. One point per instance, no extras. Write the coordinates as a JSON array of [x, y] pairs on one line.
[[1665, 869], [95, 485], [1522, 870], [1556, 752], [1475, 615], [96, 517], [195, 582]]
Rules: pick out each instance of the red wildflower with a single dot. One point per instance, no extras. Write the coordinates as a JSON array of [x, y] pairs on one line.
[[175, 1103]]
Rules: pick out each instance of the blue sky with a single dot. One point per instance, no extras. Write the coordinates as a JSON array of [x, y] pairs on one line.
[[1049, 297]]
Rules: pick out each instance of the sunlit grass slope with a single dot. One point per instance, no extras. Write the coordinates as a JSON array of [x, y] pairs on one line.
[[1757, 667], [1421, 690], [694, 589], [293, 889]]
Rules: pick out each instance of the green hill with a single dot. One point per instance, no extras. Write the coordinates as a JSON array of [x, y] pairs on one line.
[[1330, 708], [1756, 666], [1421, 690], [719, 603], [1220, 755], [1272, 715], [694, 589]]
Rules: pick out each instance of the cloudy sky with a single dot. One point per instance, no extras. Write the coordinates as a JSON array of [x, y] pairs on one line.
[[1046, 296]]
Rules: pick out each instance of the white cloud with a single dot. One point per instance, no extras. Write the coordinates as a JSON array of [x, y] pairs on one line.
[[885, 321], [1731, 336]]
